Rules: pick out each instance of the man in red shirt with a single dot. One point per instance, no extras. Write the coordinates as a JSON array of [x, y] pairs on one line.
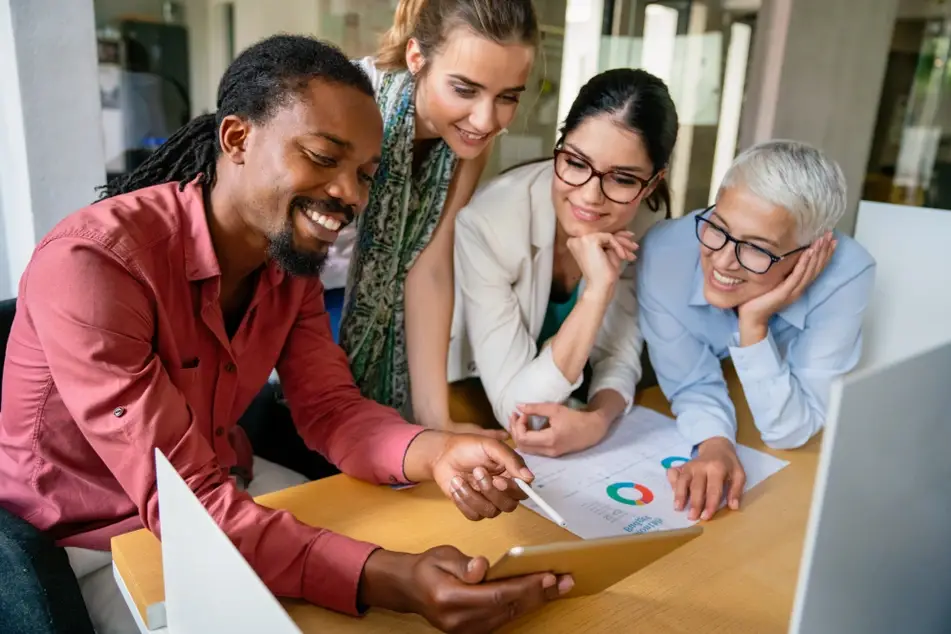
[[151, 319]]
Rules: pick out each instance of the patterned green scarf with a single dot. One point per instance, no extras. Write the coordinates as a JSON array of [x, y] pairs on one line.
[[398, 223]]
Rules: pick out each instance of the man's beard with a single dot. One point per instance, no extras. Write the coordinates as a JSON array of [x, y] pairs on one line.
[[291, 259], [300, 262]]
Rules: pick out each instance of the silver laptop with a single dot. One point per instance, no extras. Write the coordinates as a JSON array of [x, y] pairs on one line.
[[877, 556]]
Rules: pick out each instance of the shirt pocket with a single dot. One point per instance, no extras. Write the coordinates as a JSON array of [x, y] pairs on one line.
[[186, 378]]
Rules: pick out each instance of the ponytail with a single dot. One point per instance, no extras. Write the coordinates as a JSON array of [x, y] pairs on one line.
[[392, 53], [189, 153], [429, 22]]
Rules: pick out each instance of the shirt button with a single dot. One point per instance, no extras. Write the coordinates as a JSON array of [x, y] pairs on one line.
[[230, 367], [118, 412], [220, 431]]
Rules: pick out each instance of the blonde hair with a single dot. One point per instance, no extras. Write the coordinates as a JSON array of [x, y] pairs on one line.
[[430, 21]]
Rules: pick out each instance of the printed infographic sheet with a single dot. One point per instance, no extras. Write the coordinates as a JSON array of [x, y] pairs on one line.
[[620, 486]]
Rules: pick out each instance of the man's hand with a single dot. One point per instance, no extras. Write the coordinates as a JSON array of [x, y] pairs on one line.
[[568, 429], [754, 315], [473, 471], [703, 479], [445, 586]]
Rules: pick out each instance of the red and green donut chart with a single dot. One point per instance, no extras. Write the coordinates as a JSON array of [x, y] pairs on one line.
[[615, 493]]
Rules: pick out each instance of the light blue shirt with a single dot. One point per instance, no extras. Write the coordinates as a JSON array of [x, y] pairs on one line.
[[786, 377]]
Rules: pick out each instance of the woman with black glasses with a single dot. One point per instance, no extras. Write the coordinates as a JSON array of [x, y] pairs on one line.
[[544, 268], [762, 278]]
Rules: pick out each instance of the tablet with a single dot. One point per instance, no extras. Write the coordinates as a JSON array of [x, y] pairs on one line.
[[595, 564]]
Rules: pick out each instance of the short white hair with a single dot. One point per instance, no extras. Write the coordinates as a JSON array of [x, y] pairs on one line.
[[797, 177]]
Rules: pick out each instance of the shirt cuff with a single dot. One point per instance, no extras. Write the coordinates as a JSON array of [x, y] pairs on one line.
[[332, 572], [551, 375], [621, 387], [394, 460], [756, 362], [697, 429], [539, 382]]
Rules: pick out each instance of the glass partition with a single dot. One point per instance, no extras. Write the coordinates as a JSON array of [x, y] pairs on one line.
[[910, 160]]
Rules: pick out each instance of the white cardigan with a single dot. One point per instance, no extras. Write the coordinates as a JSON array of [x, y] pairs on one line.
[[504, 249]]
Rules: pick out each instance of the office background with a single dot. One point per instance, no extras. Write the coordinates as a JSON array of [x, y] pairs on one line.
[[866, 80]]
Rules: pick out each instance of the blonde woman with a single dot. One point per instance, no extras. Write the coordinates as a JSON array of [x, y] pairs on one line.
[[448, 80]]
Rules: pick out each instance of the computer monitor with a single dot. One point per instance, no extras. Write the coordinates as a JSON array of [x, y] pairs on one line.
[[209, 586], [877, 556]]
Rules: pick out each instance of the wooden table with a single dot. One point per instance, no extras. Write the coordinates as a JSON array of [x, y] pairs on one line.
[[739, 576]]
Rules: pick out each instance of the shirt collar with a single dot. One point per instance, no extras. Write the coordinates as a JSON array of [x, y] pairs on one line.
[[200, 260], [794, 314], [697, 297]]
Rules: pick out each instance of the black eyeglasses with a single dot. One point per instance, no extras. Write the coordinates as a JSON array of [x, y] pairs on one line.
[[753, 258], [618, 187]]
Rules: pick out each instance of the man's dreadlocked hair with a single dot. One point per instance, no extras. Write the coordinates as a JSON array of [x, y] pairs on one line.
[[261, 79]]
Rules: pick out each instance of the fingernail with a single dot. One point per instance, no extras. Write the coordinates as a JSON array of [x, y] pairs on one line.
[[457, 482], [526, 473], [471, 565], [565, 585], [705, 515], [735, 504], [479, 473], [548, 581]]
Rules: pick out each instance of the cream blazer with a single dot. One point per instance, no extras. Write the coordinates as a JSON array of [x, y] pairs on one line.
[[504, 248]]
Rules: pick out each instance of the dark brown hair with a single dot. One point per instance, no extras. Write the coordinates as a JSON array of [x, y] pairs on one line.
[[430, 21], [641, 103]]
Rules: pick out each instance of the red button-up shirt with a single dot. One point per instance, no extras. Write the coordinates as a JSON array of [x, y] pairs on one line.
[[119, 346]]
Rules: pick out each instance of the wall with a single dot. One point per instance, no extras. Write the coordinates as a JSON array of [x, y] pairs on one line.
[[253, 20], [6, 287], [816, 76], [923, 9], [51, 155]]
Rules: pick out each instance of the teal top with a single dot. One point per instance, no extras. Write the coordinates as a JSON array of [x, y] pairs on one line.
[[555, 316]]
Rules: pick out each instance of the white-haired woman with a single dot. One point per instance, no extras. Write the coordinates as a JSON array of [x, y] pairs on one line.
[[763, 278]]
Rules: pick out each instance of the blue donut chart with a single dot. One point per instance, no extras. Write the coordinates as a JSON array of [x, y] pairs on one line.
[[673, 461]]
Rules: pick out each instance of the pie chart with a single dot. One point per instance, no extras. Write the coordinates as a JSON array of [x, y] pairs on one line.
[[618, 493]]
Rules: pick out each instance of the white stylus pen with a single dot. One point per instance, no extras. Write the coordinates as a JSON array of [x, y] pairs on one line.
[[552, 513]]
